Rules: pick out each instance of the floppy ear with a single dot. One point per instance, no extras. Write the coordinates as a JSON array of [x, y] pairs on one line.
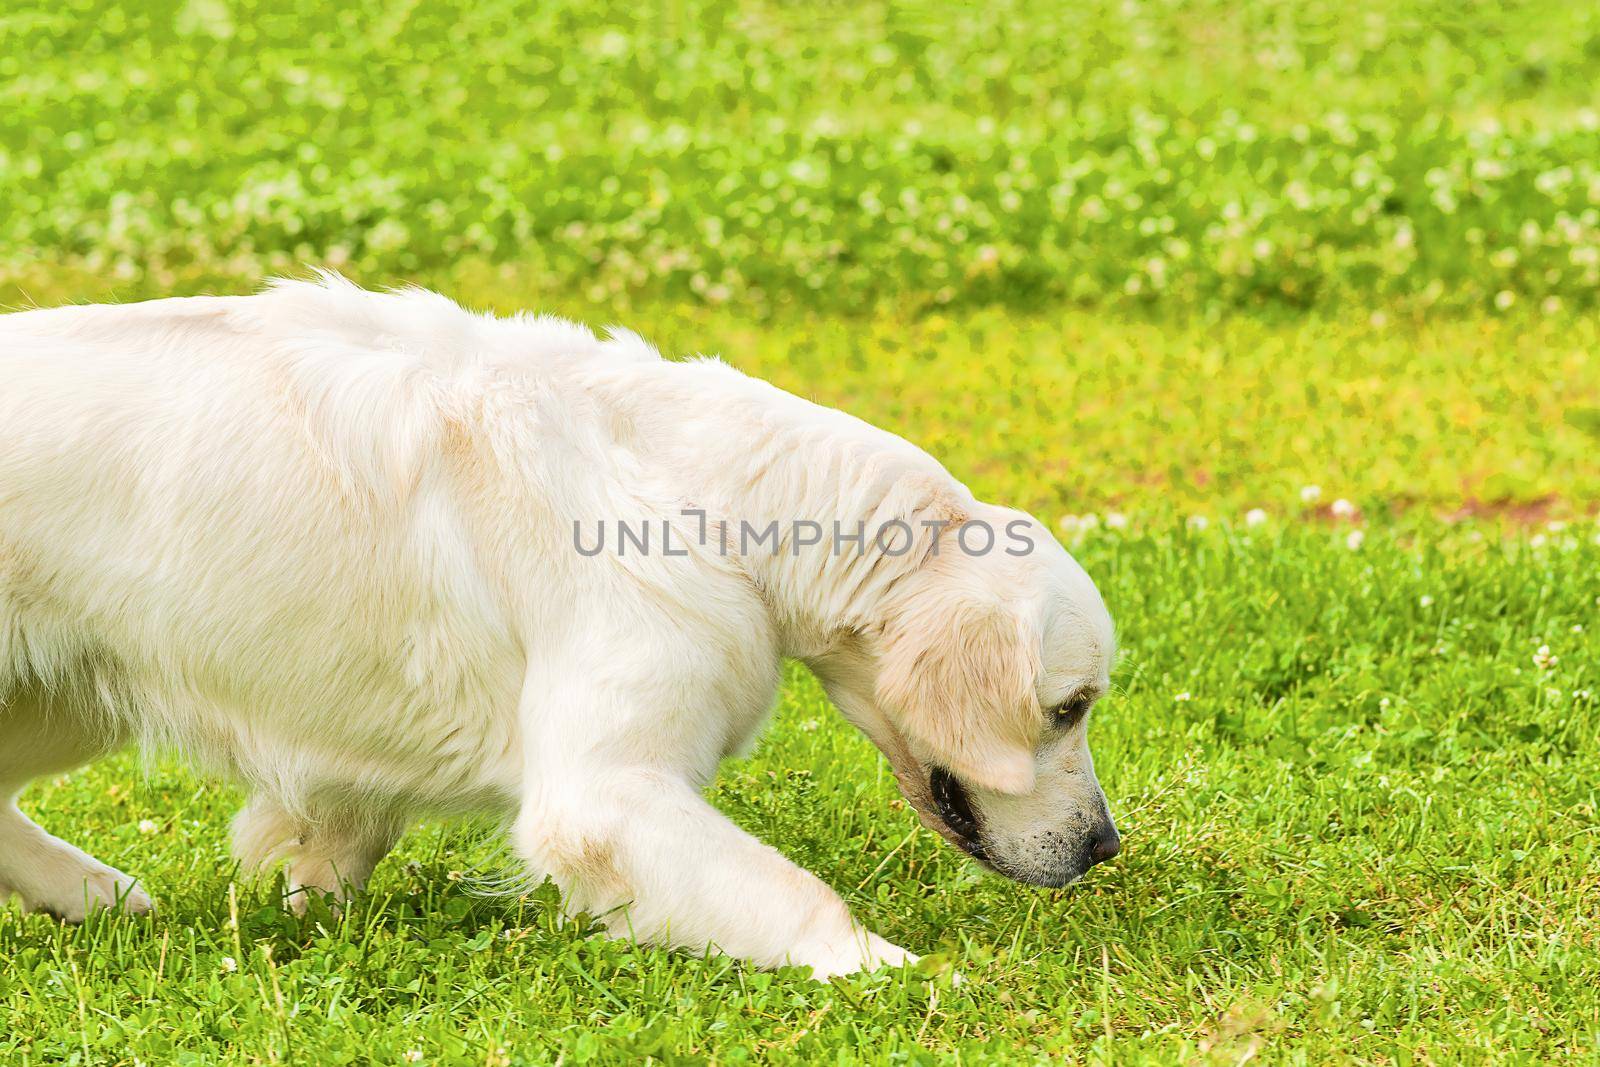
[[956, 674]]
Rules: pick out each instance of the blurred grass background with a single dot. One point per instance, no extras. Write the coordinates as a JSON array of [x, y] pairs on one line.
[[1154, 270], [820, 155]]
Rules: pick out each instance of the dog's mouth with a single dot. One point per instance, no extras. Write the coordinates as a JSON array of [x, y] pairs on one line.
[[940, 801], [955, 811], [944, 807]]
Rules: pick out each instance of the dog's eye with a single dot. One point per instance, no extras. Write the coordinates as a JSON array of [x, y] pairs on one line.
[[1071, 711]]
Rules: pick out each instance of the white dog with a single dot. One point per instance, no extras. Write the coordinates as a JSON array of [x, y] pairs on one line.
[[374, 556]]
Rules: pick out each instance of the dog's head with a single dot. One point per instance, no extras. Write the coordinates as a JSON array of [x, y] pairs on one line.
[[976, 680]]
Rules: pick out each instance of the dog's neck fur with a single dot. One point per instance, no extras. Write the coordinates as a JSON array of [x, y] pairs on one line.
[[745, 451]]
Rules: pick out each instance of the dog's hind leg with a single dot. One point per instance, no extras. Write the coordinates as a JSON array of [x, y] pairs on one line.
[[333, 855], [40, 737]]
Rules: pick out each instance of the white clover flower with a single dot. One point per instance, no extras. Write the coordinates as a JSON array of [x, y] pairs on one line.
[[1198, 522], [1544, 659], [1582, 696], [809, 726], [1310, 494], [148, 826], [1504, 299], [1354, 540], [1577, 627], [1116, 520], [1342, 508], [1384, 703], [229, 965], [1255, 517], [1538, 541], [1555, 526], [1550, 305], [1181, 698], [412, 1055], [1425, 600]]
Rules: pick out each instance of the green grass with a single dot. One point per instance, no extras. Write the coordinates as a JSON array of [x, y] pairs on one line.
[[1370, 832], [1360, 809], [1230, 154]]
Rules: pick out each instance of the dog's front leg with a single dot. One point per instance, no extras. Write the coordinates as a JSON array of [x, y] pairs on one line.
[[644, 852]]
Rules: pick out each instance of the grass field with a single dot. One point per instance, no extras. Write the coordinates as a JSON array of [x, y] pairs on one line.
[[1360, 823], [1152, 270]]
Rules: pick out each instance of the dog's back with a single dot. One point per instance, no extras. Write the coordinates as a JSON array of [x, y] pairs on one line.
[[232, 526]]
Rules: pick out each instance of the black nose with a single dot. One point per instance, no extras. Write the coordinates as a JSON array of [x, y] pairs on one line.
[[1107, 843]]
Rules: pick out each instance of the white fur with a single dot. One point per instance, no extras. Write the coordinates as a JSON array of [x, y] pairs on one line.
[[320, 540]]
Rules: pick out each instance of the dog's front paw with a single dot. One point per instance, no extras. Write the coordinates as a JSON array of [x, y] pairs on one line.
[[95, 888], [862, 951]]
